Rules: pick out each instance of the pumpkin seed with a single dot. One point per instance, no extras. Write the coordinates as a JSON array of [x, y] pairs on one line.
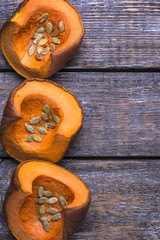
[[42, 130], [31, 50], [52, 47], [36, 41], [38, 57], [52, 211], [44, 17], [44, 116], [46, 226], [29, 128], [38, 35], [40, 192], [39, 49], [37, 138], [49, 27], [40, 30], [42, 210], [61, 26], [42, 200], [63, 202], [34, 120], [55, 40], [45, 50], [45, 125], [42, 41], [56, 119], [47, 109], [56, 217], [48, 194], [55, 33], [51, 125], [52, 200], [44, 218], [29, 139]]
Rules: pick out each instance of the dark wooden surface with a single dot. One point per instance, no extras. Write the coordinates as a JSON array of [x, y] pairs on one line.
[[116, 77], [122, 111], [125, 198], [119, 33]]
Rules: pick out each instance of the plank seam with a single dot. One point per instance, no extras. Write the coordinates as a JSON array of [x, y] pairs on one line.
[[125, 158], [138, 69]]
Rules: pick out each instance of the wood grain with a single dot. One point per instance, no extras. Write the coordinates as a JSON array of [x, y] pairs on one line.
[[119, 34], [122, 112], [125, 199]]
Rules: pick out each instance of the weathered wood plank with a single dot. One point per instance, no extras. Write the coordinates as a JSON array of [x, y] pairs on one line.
[[125, 198], [118, 33], [122, 112]]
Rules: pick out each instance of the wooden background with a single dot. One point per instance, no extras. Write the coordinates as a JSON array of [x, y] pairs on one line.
[[116, 77]]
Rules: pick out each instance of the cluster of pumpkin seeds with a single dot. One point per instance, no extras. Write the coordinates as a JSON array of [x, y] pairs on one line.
[[40, 41], [43, 129], [51, 213]]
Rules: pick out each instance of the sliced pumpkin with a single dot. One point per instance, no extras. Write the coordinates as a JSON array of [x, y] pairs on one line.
[[22, 202], [17, 36], [27, 102]]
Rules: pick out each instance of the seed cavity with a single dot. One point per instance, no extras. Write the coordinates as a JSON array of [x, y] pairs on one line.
[[63, 202], [46, 226], [61, 26], [56, 119], [44, 17], [40, 30], [42, 200], [52, 200], [49, 27], [40, 192], [29, 128], [51, 125], [35, 120], [42, 130], [56, 217], [29, 139], [47, 109], [37, 138], [48, 194], [55, 40], [52, 211], [38, 57], [42, 210], [45, 117], [31, 50]]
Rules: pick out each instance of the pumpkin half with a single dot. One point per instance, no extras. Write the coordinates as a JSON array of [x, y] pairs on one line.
[[47, 139], [22, 209], [17, 36]]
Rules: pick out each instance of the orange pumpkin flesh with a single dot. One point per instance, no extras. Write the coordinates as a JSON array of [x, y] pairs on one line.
[[27, 101], [18, 31], [21, 208]]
